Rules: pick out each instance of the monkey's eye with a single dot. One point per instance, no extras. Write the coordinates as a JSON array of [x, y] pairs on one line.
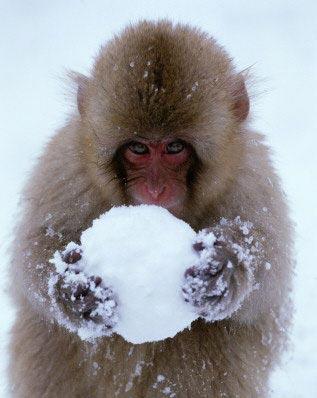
[[138, 148], [175, 147]]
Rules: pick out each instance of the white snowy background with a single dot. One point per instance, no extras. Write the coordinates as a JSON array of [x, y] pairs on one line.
[[39, 39]]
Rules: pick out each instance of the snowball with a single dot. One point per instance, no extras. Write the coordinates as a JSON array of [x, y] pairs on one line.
[[142, 252]]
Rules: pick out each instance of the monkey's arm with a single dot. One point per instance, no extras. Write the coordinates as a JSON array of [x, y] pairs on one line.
[[59, 202], [248, 268]]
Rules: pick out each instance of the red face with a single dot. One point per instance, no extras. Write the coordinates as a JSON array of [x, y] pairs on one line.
[[156, 172]]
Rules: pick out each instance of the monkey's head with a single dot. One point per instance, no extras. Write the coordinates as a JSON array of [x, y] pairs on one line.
[[162, 117]]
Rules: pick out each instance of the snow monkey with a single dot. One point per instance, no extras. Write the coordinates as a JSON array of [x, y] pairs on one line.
[[162, 119]]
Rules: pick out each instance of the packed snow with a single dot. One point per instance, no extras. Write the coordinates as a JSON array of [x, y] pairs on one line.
[[141, 253], [147, 275]]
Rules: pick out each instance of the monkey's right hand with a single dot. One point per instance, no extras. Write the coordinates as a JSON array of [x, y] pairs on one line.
[[82, 297]]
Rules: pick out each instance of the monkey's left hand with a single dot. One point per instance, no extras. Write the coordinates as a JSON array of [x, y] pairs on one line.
[[223, 275]]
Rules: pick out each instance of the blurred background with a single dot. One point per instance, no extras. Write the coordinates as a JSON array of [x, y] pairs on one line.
[[40, 39]]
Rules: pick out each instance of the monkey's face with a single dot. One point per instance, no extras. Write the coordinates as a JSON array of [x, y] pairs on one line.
[[156, 172]]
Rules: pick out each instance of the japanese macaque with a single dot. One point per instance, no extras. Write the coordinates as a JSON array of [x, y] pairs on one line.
[[162, 119]]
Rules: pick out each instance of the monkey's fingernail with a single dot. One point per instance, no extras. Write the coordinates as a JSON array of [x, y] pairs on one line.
[[192, 271], [72, 256], [86, 315], [97, 280], [198, 246], [81, 291], [218, 243]]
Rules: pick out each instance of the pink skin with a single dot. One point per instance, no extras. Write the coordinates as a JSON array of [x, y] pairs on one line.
[[159, 177]]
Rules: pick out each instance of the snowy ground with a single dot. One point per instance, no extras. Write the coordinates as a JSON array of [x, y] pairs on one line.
[[40, 39]]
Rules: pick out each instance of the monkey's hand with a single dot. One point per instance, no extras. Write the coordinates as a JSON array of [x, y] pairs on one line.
[[223, 276], [84, 300]]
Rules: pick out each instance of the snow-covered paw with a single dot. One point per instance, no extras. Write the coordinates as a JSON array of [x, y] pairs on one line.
[[83, 297], [221, 279]]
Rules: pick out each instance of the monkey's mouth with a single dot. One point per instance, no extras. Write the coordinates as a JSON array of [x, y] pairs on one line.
[[173, 206]]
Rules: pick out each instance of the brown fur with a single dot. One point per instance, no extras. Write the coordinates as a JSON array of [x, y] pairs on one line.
[[74, 182]]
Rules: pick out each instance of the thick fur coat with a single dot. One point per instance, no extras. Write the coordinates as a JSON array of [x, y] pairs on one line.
[[152, 80]]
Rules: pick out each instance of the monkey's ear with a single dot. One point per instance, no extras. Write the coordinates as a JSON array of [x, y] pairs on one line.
[[79, 88], [82, 83], [241, 102]]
